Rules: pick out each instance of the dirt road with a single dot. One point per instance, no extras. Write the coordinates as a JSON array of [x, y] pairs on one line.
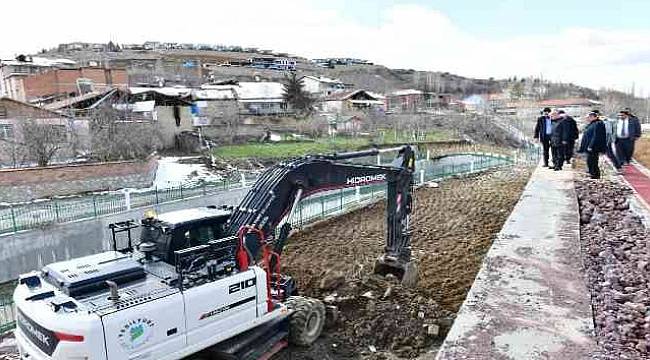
[[453, 227]]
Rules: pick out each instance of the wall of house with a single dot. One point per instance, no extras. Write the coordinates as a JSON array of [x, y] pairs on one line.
[[263, 108], [220, 112], [13, 87], [26, 184], [64, 81], [167, 124], [334, 106]]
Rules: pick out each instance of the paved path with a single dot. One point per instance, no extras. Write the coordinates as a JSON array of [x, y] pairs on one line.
[[529, 300], [639, 179]]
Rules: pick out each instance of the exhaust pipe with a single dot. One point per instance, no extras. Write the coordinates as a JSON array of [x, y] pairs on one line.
[[114, 296]]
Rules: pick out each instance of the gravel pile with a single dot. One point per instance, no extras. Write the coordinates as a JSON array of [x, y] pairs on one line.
[[616, 256]]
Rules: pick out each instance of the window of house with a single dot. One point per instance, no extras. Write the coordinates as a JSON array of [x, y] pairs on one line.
[[84, 86], [6, 131], [3, 112]]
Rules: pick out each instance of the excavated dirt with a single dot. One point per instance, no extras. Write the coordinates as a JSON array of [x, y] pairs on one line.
[[453, 227]]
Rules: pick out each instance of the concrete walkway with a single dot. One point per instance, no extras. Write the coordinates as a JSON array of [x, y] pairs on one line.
[[530, 300]]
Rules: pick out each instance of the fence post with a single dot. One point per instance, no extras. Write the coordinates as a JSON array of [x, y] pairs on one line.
[[156, 192], [127, 199], [180, 186], [204, 189], [56, 210], [378, 159], [471, 166], [95, 205], [421, 176], [428, 154], [243, 180], [13, 219], [341, 200], [357, 193]]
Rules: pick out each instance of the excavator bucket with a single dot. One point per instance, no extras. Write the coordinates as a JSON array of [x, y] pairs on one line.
[[406, 272]]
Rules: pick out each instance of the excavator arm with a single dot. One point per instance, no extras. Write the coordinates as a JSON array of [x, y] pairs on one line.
[[278, 191]]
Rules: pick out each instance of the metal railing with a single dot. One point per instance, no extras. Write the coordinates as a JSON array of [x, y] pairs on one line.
[[320, 207], [37, 214], [41, 213]]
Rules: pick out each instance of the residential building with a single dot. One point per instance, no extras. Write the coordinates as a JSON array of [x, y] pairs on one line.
[[13, 72], [62, 83], [171, 113], [412, 100], [321, 86], [329, 62], [261, 98], [151, 45], [165, 110], [342, 124], [342, 101], [572, 106], [16, 150], [274, 63], [215, 105]]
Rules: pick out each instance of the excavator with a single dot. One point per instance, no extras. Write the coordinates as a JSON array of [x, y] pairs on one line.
[[205, 280]]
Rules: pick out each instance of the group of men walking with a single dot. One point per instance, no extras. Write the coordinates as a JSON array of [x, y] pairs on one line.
[[558, 132]]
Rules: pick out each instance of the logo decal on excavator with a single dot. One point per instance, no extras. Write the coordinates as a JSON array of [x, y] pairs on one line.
[[365, 179], [135, 333]]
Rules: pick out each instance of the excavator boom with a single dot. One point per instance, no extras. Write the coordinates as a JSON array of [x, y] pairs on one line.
[[277, 192]]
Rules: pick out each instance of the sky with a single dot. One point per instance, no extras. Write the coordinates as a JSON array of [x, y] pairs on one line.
[[592, 43]]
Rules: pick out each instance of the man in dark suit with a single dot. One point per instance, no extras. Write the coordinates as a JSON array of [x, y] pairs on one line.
[[594, 143], [628, 130], [560, 137], [572, 132], [543, 130]]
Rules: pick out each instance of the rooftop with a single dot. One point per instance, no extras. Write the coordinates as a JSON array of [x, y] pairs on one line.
[[323, 79], [569, 102], [406, 92], [259, 90]]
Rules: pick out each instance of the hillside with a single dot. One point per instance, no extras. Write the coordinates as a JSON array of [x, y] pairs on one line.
[[372, 77], [194, 67]]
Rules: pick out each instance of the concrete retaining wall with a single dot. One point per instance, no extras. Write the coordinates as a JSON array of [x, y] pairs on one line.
[[530, 300]]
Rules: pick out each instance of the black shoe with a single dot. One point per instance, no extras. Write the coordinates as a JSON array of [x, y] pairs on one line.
[[557, 169]]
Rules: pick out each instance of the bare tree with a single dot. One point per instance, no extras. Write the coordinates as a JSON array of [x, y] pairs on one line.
[[43, 141], [115, 137]]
